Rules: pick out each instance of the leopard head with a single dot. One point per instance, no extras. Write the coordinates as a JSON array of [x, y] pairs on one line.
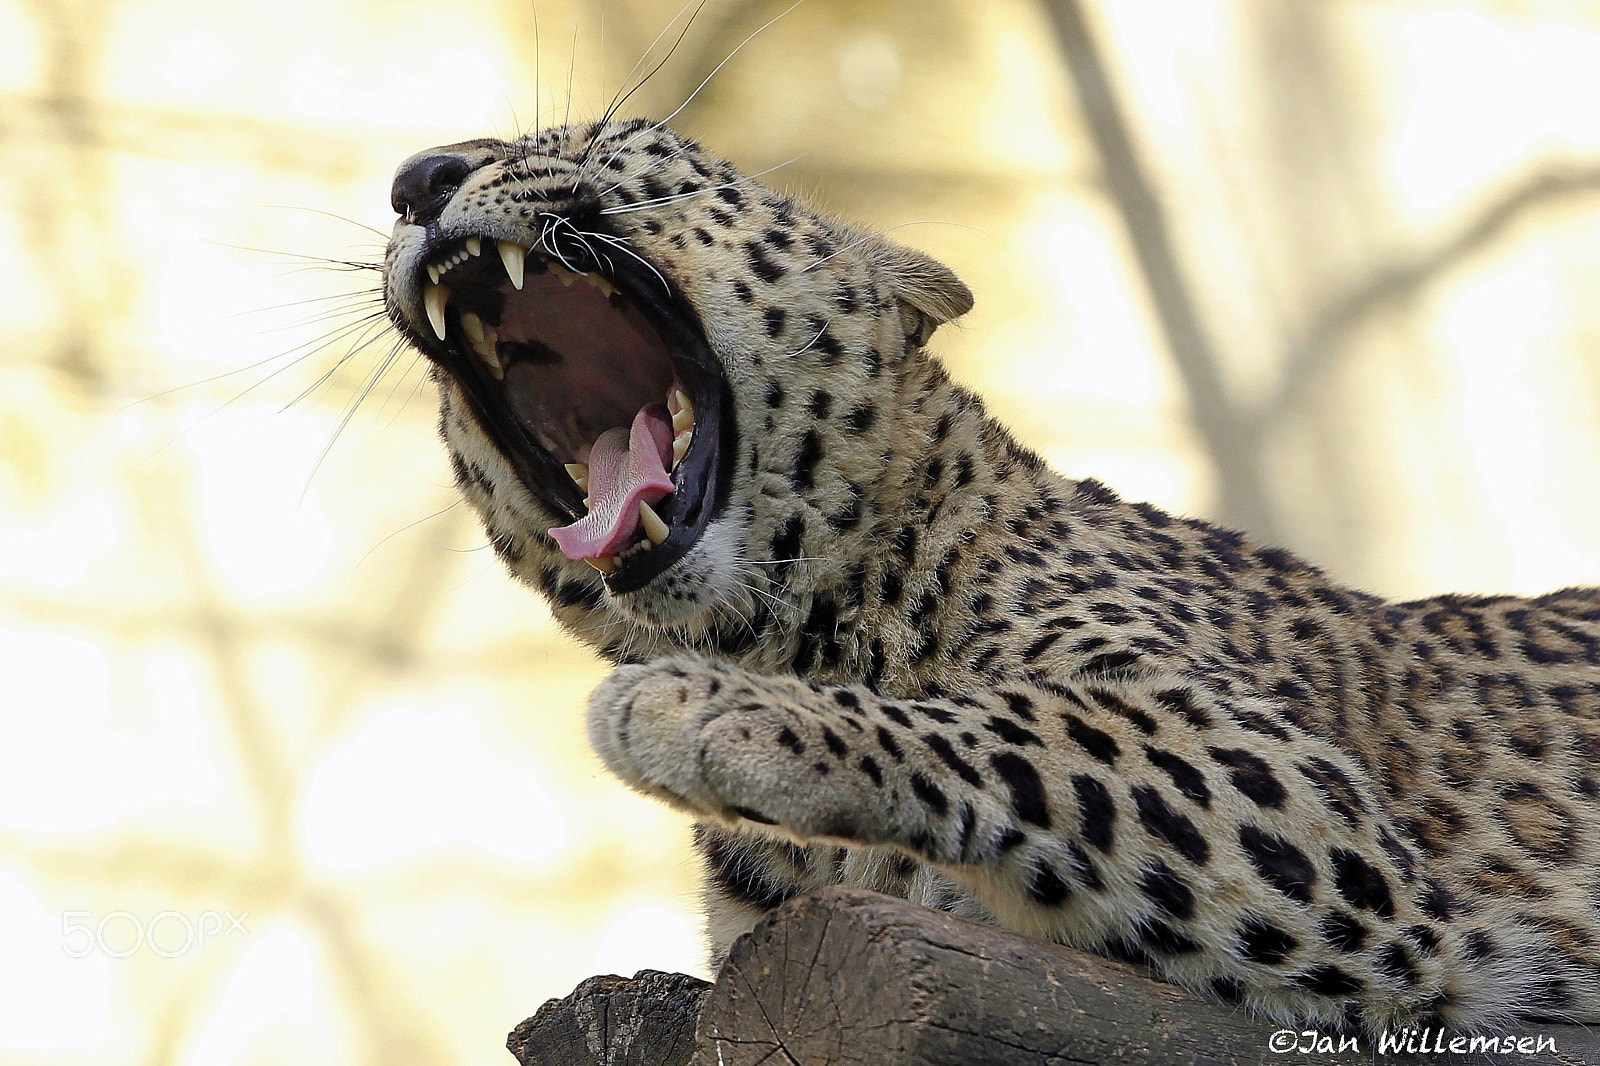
[[649, 365]]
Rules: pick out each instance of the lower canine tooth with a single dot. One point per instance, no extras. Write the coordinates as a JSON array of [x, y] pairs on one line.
[[473, 325], [654, 527], [492, 358], [513, 255], [606, 564], [486, 351], [434, 297], [485, 344]]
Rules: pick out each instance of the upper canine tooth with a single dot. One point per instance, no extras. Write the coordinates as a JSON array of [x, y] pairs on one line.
[[654, 527], [474, 246], [512, 255], [434, 297], [433, 273]]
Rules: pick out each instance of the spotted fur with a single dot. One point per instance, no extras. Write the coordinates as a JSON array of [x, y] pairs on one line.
[[908, 656]]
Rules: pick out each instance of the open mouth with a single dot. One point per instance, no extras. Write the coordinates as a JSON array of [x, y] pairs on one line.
[[596, 384]]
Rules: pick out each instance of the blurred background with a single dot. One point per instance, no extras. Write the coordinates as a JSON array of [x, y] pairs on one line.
[[290, 772]]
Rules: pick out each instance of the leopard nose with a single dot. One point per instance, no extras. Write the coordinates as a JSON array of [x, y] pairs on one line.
[[424, 184]]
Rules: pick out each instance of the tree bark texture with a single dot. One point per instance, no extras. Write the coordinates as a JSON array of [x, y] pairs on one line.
[[645, 1020]]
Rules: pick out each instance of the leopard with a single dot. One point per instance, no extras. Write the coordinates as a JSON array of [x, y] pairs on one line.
[[865, 637]]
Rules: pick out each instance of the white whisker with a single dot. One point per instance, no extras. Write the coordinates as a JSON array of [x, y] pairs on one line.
[[350, 412], [622, 246], [616, 102], [814, 340], [736, 50]]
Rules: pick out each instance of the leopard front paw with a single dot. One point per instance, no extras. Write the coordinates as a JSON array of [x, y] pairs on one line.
[[719, 743], [644, 723]]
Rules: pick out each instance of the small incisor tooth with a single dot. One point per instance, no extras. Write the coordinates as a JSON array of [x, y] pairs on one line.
[[654, 527], [606, 564], [513, 255], [434, 297]]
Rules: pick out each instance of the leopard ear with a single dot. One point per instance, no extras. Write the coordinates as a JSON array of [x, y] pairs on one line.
[[930, 293]]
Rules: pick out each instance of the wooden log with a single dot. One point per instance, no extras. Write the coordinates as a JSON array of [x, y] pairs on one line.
[[645, 1020], [849, 977]]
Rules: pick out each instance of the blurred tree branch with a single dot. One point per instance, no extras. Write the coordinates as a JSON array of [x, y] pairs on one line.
[[1234, 434], [715, 31], [1306, 361], [1222, 431]]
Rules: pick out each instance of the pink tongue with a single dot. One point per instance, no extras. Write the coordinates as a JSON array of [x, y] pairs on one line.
[[625, 467]]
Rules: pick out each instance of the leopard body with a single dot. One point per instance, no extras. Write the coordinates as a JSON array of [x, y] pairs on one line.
[[908, 656]]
